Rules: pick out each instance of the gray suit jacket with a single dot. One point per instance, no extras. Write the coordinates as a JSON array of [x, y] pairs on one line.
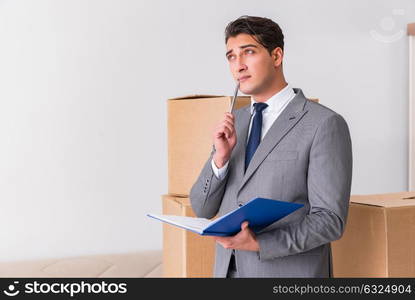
[[305, 157]]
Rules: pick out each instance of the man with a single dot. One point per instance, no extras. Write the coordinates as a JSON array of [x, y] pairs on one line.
[[284, 147]]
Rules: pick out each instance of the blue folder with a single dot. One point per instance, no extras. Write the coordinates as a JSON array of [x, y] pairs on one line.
[[259, 212]]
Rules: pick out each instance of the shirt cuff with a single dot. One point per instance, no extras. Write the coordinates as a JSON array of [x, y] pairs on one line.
[[220, 173]]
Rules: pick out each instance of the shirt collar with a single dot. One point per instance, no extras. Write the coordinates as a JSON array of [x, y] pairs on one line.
[[277, 101]]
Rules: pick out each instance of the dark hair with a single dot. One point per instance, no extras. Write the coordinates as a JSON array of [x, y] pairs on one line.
[[265, 31]]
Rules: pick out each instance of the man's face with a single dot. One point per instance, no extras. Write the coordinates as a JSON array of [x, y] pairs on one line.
[[251, 63]]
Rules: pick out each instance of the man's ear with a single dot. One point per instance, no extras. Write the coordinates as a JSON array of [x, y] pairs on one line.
[[277, 55]]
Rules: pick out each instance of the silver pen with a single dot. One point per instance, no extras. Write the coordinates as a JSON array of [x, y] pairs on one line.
[[234, 98]]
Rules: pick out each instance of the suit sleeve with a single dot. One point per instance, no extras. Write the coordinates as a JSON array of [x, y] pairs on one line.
[[329, 182], [207, 192]]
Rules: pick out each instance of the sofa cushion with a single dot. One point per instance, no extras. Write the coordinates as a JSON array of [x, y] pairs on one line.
[[137, 264]]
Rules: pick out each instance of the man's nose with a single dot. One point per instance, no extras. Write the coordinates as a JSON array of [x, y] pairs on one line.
[[241, 65], [242, 68]]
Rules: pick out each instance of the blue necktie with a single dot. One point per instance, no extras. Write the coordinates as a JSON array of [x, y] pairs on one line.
[[255, 135]]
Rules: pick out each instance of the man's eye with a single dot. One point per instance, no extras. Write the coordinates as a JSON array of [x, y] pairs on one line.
[[249, 51], [230, 57]]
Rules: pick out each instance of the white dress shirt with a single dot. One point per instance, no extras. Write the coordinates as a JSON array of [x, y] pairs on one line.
[[276, 104]]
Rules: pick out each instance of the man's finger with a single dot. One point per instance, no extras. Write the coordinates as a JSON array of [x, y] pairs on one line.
[[221, 239], [244, 225]]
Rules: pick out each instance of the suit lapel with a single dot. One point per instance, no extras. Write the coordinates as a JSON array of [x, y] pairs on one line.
[[289, 117]]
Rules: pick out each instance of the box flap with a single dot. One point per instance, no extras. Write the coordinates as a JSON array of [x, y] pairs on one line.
[[196, 96], [182, 201], [386, 200]]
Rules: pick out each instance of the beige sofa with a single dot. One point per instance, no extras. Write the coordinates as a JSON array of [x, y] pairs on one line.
[[137, 264]]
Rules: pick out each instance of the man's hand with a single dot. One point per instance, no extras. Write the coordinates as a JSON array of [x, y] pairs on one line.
[[243, 240], [224, 139]]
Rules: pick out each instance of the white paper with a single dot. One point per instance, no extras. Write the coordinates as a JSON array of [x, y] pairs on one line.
[[196, 224]]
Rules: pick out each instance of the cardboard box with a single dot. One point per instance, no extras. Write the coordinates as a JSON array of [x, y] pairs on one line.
[[379, 240], [191, 121], [185, 254]]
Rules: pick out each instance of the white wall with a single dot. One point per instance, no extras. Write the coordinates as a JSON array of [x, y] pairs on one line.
[[83, 89]]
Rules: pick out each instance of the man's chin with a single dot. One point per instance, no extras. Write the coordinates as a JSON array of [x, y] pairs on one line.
[[247, 90]]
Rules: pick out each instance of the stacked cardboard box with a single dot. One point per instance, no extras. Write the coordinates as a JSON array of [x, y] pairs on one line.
[[186, 254], [379, 240], [191, 121]]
